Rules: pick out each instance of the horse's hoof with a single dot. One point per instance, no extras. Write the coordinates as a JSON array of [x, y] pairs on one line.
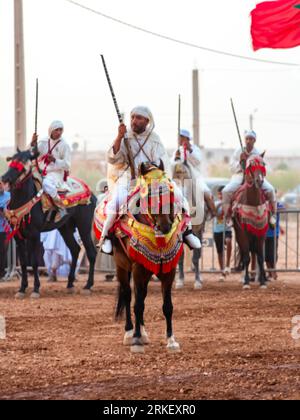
[[86, 292], [246, 287], [20, 296], [198, 285], [71, 291], [145, 336], [137, 345], [35, 295], [140, 349], [263, 287], [172, 345], [128, 338], [179, 284]]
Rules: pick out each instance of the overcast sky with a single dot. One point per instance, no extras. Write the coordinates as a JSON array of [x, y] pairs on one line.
[[62, 47]]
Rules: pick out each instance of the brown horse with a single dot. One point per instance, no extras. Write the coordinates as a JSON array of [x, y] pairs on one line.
[[128, 266], [251, 218]]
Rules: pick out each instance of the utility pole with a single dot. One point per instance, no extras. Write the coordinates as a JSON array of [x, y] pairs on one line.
[[20, 103], [251, 119], [196, 107]]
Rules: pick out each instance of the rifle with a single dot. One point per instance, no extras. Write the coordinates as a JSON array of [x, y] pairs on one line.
[[120, 118], [36, 106], [237, 127]]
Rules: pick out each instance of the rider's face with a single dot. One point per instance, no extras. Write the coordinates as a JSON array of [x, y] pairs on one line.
[[56, 134], [250, 142], [139, 124]]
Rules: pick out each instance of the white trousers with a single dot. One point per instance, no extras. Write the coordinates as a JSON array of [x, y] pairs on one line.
[[237, 180], [52, 182]]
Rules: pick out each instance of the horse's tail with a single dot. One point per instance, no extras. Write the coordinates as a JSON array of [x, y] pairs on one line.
[[124, 295]]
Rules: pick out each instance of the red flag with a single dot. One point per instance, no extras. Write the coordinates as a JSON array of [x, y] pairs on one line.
[[276, 24]]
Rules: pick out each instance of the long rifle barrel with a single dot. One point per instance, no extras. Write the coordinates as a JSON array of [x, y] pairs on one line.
[[179, 119], [36, 106], [237, 124], [129, 152]]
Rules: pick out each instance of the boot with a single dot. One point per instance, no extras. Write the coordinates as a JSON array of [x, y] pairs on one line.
[[105, 244], [191, 240]]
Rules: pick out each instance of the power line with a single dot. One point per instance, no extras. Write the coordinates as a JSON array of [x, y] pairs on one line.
[[178, 41]]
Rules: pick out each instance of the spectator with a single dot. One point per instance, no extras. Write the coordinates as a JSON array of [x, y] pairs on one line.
[[57, 256], [271, 248], [4, 199], [219, 229]]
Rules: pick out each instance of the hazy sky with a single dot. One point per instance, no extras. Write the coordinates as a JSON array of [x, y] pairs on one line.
[[63, 44]]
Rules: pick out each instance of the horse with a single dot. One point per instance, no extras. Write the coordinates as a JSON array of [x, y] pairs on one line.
[[29, 220], [182, 174], [250, 213], [138, 258]]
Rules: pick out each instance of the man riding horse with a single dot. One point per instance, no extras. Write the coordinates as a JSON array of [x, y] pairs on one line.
[[190, 155], [54, 162], [237, 166], [186, 164], [145, 146]]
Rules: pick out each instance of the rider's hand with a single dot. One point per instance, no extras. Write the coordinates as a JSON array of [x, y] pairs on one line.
[[51, 159], [34, 140], [187, 144], [122, 131], [244, 157], [178, 155]]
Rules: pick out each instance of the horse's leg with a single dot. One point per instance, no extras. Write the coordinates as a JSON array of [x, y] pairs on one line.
[[67, 233], [260, 260], [180, 280], [246, 260], [34, 251], [141, 278], [21, 246], [124, 302], [167, 282], [84, 229], [196, 261]]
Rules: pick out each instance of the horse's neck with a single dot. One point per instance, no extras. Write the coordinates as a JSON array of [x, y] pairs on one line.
[[22, 195], [253, 196]]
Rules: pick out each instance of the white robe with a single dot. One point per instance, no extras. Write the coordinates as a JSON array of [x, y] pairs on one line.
[[55, 171], [118, 166], [198, 186]]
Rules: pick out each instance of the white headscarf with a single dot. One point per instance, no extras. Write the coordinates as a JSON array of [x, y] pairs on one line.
[[145, 112], [54, 126], [250, 133]]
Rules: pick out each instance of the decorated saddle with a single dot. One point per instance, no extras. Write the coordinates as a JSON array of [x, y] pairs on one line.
[[78, 192], [255, 219], [147, 246]]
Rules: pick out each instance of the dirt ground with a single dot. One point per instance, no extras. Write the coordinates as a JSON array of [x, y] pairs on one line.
[[235, 344]]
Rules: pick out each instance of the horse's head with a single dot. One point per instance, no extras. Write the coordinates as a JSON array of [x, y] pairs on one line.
[[157, 196], [256, 170], [19, 167]]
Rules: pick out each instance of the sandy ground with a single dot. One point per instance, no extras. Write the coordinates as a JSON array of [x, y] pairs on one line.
[[235, 344]]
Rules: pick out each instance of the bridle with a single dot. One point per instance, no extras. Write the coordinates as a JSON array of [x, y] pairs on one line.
[[24, 171]]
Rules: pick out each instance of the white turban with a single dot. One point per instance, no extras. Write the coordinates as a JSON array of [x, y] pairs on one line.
[[250, 133], [185, 133], [54, 126], [143, 111]]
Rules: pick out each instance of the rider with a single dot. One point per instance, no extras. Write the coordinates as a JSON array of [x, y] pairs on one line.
[[55, 159], [145, 146], [237, 165], [191, 155]]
